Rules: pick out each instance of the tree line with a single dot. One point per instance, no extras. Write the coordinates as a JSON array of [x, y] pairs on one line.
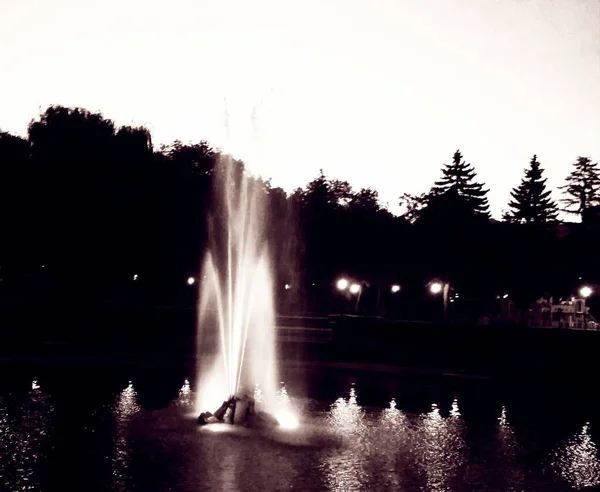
[[531, 201], [85, 205]]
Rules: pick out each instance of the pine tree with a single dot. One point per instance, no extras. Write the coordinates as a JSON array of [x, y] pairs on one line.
[[531, 202], [583, 186], [458, 179]]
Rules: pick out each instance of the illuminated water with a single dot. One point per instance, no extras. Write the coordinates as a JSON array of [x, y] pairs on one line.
[[134, 431], [235, 342]]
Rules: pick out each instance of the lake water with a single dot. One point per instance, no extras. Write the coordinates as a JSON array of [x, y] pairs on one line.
[[133, 429]]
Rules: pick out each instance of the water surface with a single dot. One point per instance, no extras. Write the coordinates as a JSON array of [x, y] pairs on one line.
[[86, 428]]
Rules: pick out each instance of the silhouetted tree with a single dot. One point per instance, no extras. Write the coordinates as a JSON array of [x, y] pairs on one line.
[[365, 201], [413, 205], [96, 203], [459, 179], [583, 186], [532, 203], [16, 206]]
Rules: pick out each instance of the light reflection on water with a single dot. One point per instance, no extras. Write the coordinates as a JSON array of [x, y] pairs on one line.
[[362, 448], [24, 428], [577, 460], [442, 449], [126, 408], [345, 467], [185, 397]]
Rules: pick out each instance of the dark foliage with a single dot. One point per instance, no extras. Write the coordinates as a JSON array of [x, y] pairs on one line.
[[582, 190], [531, 202], [86, 205]]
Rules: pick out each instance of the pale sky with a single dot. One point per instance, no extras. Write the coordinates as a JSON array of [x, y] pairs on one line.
[[378, 92]]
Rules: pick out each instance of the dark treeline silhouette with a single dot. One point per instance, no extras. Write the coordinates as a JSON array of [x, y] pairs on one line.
[[86, 206]]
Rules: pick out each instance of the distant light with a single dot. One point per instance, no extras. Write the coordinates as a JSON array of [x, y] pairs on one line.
[[191, 280], [395, 288], [135, 276], [585, 291], [435, 288], [354, 288], [342, 284], [287, 286], [505, 296]]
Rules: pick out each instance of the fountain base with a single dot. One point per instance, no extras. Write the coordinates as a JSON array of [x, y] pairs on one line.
[[239, 411]]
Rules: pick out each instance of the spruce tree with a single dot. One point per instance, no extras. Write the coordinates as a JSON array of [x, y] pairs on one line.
[[531, 202], [583, 186], [458, 179]]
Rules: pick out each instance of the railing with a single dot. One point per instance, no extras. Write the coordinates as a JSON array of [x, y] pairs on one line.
[[566, 325], [302, 334]]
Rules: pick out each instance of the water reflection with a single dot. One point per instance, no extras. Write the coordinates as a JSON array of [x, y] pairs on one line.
[[345, 468], [505, 459], [393, 419], [454, 411], [24, 431], [185, 397], [502, 419], [442, 449], [346, 416], [285, 412], [125, 409], [351, 446], [577, 460]]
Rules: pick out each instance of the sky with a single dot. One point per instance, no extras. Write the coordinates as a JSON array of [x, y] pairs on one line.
[[378, 93]]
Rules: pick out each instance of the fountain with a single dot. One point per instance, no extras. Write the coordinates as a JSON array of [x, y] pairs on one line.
[[235, 337]]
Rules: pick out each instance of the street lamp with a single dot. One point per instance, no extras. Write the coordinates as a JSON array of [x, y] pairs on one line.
[[354, 288], [585, 291], [395, 289], [342, 284], [191, 280], [435, 287]]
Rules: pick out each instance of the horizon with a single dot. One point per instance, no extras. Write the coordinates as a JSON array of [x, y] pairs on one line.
[[354, 97]]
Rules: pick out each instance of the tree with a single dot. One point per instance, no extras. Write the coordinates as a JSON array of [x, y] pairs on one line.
[[531, 201], [16, 210], [365, 201], [458, 178], [413, 206], [583, 187]]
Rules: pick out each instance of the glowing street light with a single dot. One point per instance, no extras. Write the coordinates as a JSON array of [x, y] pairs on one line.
[[395, 289], [354, 288], [438, 287], [435, 288], [287, 287], [586, 291], [135, 276], [342, 284], [191, 280]]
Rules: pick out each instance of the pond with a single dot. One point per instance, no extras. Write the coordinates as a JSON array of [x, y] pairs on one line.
[[133, 429]]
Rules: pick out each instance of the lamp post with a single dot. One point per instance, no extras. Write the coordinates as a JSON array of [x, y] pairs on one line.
[[443, 288], [353, 288], [356, 289], [585, 291]]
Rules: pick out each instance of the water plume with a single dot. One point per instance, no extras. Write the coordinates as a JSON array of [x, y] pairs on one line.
[[235, 342]]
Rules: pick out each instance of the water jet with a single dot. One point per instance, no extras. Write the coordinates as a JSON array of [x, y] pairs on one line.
[[236, 322]]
